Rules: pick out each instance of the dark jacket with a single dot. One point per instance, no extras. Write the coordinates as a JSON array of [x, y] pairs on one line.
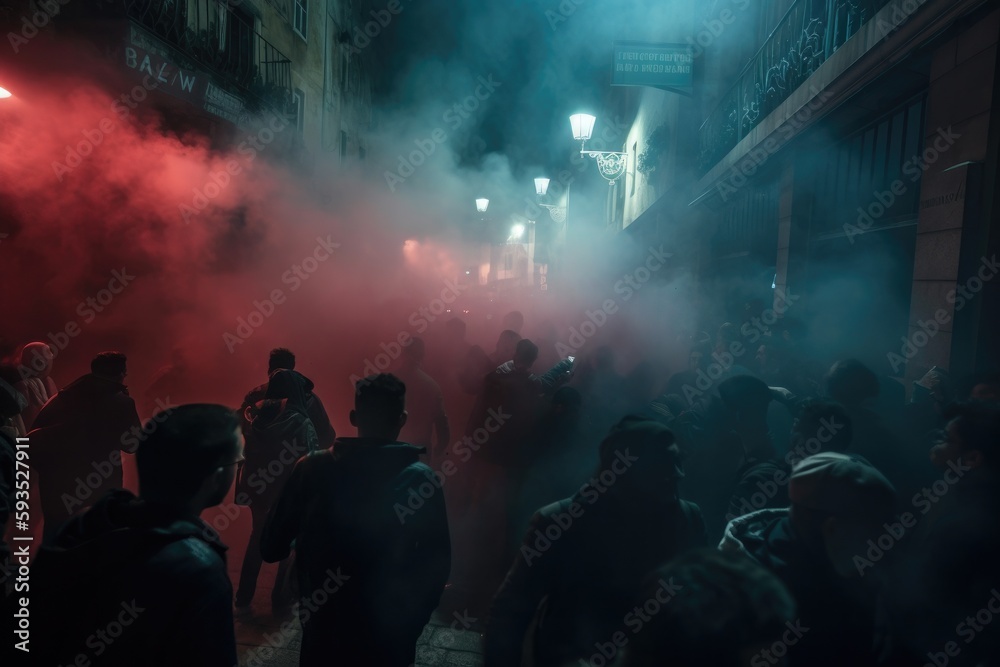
[[369, 523], [585, 558], [840, 614], [517, 394], [278, 437], [159, 575], [314, 408], [78, 432]]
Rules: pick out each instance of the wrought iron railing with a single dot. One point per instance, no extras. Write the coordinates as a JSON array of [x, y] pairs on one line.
[[809, 33], [222, 41]]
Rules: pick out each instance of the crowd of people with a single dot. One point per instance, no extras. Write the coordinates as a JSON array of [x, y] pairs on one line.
[[760, 512]]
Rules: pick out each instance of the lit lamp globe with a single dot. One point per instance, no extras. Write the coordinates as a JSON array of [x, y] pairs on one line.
[[4, 93], [517, 231], [482, 204], [583, 126], [541, 186]]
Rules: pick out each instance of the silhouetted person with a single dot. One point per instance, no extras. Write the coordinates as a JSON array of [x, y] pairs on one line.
[[143, 581], [956, 571], [170, 384], [282, 359], [34, 365], [685, 383], [514, 321], [711, 608], [378, 556], [587, 555], [78, 437], [280, 434], [506, 344], [426, 421], [855, 386], [838, 503]]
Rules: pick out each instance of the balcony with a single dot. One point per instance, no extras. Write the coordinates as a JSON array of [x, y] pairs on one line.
[[223, 42], [806, 36]]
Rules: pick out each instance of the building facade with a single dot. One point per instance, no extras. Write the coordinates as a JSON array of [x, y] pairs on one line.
[[845, 153]]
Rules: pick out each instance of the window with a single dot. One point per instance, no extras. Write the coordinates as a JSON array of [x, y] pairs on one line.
[[300, 15]]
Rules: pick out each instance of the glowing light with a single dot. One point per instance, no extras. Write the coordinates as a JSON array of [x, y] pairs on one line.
[[583, 126], [468, 272], [517, 231], [541, 186], [482, 204], [4, 93]]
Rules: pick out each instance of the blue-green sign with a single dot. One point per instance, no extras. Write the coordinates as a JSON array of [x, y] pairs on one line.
[[667, 66]]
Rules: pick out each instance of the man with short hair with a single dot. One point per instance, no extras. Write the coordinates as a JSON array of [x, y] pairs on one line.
[[426, 422], [281, 358], [143, 581], [586, 556], [77, 439], [368, 522], [838, 503]]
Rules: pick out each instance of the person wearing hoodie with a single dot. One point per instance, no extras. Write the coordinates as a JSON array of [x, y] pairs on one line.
[[283, 358], [34, 364], [77, 437], [838, 504], [583, 560], [280, 434], [142, 580], [370, 531]]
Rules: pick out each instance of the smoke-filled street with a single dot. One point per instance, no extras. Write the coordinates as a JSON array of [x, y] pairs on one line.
[[548, 332]]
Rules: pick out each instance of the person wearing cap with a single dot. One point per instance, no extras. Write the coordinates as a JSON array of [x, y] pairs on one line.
[[587, 555], [837, 504]]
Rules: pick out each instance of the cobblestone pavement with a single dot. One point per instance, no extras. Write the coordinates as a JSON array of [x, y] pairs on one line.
[[265, 641]]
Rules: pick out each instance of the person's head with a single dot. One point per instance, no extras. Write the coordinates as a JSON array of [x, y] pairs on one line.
[[714, 608], [35, 360], [286, 385], [280, 358], [850, 382], [506, 343], [189, 456], [414, 352], [839, 503], [726, 336], [525, 354], [822, 426], [698, 357], [514, 321], [110, 366], [982, 387], [972, 436], [379, 407], [644, 459]]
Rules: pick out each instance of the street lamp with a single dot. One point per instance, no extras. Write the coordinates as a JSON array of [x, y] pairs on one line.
[[4, 93], [517, 231], [482, 204], [612, 165], [557, 213]]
